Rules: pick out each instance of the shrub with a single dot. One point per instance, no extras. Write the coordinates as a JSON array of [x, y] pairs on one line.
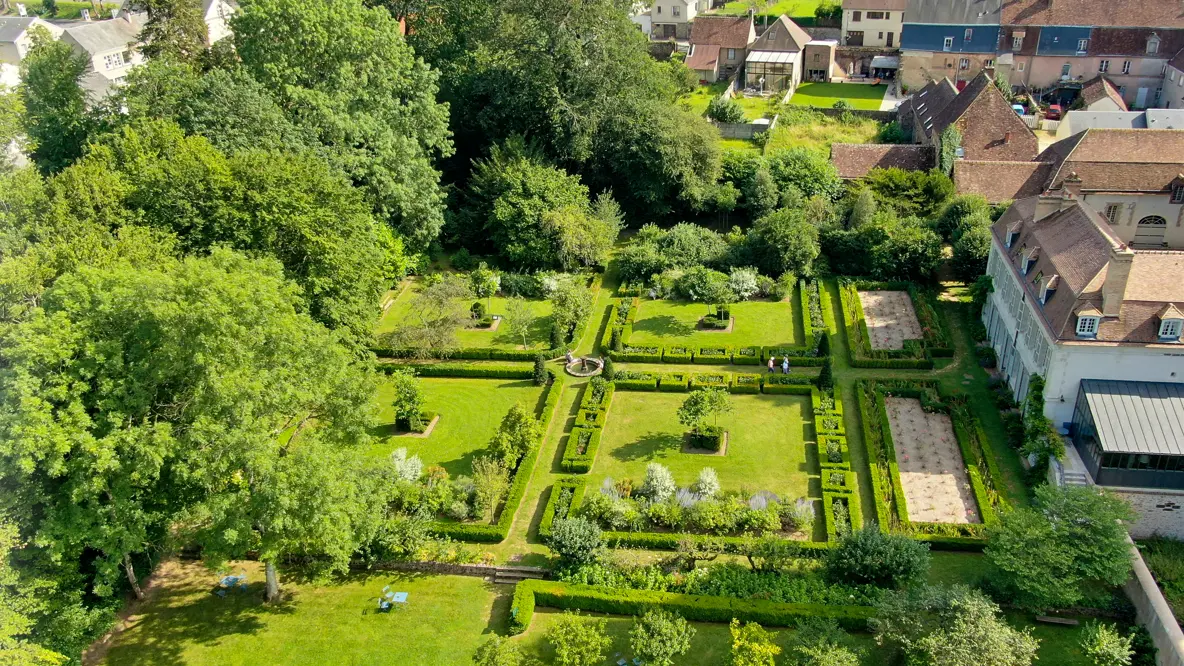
[[1104, 646], [498, 651], [707, 485], [659, 636], [826, 379], [463, 261], [841, 104], [576, 540], [610, 372], [578, 641], [752, 645], [873, 557], [821, 642], [659, 483], [477, 310], [725, 110], [842, 518], [540, 370]]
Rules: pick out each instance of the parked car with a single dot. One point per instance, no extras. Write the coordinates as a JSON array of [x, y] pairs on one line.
[[1018, 108], [1054, 112]]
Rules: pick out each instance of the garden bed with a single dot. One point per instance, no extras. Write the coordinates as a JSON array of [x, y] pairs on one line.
[[914, 353], [932, 472], [889, 318]]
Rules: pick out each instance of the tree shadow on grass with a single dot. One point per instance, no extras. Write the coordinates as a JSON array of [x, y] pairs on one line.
[[538, 333], [647, 446], [666, 326]]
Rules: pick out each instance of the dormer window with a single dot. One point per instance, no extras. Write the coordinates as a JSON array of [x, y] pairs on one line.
[[1169, 330], [1152, 45], [1029, 260], [1012, 237], [1178, 191], [1087, 326]]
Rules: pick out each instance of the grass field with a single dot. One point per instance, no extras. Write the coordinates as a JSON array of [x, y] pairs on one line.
[[766, 447], [447, 617], [470, 412], [739, 146], [801, 127], [759, 323], [774, 10], [859, 95], [539, 336], [697, 101], [66, 9]]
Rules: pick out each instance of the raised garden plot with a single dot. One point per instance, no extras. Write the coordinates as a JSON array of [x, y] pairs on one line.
[[470, 411], [932, 471], [890, 318]]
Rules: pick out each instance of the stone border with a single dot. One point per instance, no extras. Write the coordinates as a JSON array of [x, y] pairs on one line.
[[703, 329], [1153, 611], [492, 327]]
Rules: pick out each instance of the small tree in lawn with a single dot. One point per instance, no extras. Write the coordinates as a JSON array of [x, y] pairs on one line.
[[752, 645], [610, 372], [498, 651], [659, 636], [725, 110], [520, 317], [576, 540], [491, 481], [517, 434], [485, 282], [408, 399], [699, 407], [1104, 646], [435, 315], [821, 642], [578, 641], [871, 557], [570, 304]]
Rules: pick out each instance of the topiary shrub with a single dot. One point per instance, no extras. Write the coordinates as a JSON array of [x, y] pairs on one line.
[[871, 557], [477, 310], [609, 372], [540, 370]]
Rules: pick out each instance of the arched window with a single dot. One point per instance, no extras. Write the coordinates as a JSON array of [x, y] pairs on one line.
[[1150, 232]]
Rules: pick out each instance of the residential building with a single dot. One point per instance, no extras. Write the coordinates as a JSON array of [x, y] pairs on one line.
[[1063, 44], [671, 19], [990, 130], [15, 41], [640, 15], [820, 60], [729, 35], [943, 39], [110, 46], [855, 160], [1173, 83], [1132, 178], [1100, 321], [873, 22], [774, 60], [216, 14], [1098, 94], [1078, 121]]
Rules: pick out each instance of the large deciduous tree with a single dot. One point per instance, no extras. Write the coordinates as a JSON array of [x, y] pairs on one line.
[[174, 29], [344, 72], [56, 119]]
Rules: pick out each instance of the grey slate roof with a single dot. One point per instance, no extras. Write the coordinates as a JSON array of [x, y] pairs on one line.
[[102, 36], [1137, 417], [12, 27], [954, 12]]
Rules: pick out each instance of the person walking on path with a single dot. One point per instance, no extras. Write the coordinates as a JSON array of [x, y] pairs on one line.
[[771, 362], [785, 366]]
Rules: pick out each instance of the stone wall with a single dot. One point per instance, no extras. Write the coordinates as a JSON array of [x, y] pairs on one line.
[[1161, 511], [1153, 612]]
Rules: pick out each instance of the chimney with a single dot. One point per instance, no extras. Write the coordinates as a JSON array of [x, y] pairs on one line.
[[1047, 204], [1117, 272], [1071, 186]]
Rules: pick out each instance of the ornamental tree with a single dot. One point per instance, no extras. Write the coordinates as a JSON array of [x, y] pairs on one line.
[[872, 557], [576, 540], [752, 645], [408, 398], [703, 404], [659, 636], [578, 641], [518, 433]]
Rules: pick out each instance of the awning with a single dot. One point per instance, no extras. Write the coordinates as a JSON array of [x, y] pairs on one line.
[[886, 62], [772, 56]]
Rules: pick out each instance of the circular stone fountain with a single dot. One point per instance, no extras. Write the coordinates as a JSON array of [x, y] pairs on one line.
[[587, 366]]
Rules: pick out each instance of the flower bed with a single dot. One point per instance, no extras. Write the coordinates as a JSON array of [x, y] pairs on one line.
[[915, 354]]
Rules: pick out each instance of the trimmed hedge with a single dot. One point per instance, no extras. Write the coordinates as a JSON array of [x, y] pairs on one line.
[[718, 355], [497, 532], [674, 382], [849, 485], [592, 405], [590, 418], [473, 370], [916, 354], [747, 356], [854, 511], [824, 461], [711, 380], [577, 495], [637, 355], [677, 355], [696, 608], [745, 382], [575, 462]]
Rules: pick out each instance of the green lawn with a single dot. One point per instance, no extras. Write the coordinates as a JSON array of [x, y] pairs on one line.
[[798, 126], [697, 101], [758, 107], [470, 412], [66, 9], [446, 619], [539, 336], [761, 323], [774, 10], [860, 96], [766, 447], [739, 146]]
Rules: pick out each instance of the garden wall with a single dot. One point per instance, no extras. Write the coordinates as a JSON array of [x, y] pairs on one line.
[[1161, 512], [743, 130], [1153, 612]]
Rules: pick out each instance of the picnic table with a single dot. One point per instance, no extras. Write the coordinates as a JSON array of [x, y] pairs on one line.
[[227, 583]]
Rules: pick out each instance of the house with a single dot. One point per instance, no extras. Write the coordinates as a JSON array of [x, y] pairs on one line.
[[990, 130], [1098, 94], [873, 22], [729, 35], [1173, 83], [821, 61], [110, 46], [1060, 45], [1078, 121], [15, 41], [1100, 321], [854, 160], [640, 15], [671, 19], [215, 13], [1134, 179], [948, 39], [774, 60]]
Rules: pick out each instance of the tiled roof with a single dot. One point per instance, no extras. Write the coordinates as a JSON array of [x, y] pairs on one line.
[[877, 5], [1100, 88], [1001, 181], [730, 32], [854, 160], [1118, 160], [703, 57], [12, 27], [929, 103], [953, 12], [1161, 13], [782, 35], [1075, 245], [102, 36], [1133, 41], [1178, 61]]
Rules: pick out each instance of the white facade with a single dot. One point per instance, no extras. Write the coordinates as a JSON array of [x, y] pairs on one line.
[[1173, 89], [217, 16], [1126, 211], [1025, 347], [672, 18], [872, 27]]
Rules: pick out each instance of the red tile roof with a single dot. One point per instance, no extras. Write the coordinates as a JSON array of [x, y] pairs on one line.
[[1160, 13], [730, 32], [703, 56], [1100, 88], [1001, 181], [854, 160]]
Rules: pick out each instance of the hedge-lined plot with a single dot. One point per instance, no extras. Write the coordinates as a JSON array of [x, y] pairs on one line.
[[658, 331], [932, 473], [914, 353], [892, 507]]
